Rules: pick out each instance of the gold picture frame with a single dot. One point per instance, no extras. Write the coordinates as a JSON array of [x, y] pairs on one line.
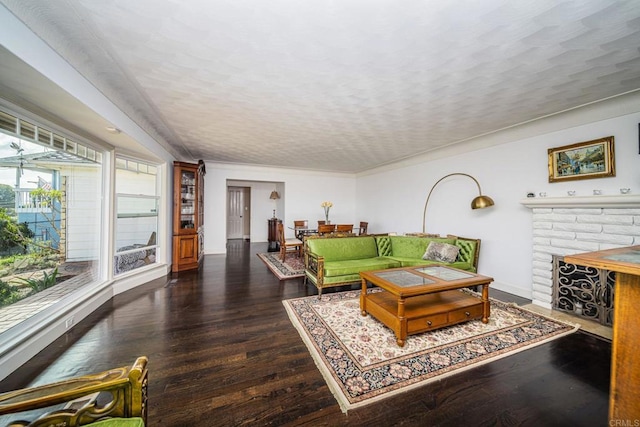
[[584, 160]]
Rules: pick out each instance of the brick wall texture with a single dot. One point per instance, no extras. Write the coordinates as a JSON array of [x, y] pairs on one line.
[[566, 231]]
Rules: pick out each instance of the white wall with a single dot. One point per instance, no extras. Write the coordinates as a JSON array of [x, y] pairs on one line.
[[301, 193], [393, 199]]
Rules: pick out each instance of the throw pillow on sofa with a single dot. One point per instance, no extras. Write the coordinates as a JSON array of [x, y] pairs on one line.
[[443, 252]]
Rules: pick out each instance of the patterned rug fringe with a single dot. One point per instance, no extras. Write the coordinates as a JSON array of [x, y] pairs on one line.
[[292, 268]]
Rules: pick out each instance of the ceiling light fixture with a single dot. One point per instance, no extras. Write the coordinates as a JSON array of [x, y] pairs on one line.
[[112, 129]]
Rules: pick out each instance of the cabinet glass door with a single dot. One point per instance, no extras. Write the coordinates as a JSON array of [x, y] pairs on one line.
[[188, 200]]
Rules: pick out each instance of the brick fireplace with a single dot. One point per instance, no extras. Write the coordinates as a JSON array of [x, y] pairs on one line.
[[568, 225]]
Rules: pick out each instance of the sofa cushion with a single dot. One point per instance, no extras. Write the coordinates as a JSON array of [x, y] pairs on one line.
[[412, 262], [437, 251], [384, 245], [355, 266], [467, 266], [413, 246], [119, 422], [341, 248], [334, 280]]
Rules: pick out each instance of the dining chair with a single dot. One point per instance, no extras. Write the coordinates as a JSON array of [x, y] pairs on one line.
[[301, 227], [344, 228], [363, 227], [326, 229], [302, 223], [287, 245]]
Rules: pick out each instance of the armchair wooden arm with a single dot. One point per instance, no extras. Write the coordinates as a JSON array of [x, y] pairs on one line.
[[116, 394]]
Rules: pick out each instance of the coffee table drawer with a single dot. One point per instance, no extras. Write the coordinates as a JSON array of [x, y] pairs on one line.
[[426, 322], [465, 313]]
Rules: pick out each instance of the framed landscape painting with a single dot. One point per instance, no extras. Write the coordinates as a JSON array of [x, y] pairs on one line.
[[584, 160]]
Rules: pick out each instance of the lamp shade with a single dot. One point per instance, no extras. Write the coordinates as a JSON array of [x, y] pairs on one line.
[[274, 195], [480, 202]]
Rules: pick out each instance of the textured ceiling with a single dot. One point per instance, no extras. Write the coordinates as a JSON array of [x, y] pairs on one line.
[[342, 85]]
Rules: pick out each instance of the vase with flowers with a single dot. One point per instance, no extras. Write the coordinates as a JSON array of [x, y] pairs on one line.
[[326, 206]]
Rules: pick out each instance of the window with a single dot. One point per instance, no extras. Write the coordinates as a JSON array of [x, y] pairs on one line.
[[137, 202], [51, 210]]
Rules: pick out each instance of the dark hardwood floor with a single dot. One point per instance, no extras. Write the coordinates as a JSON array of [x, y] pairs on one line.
[[222, 352]]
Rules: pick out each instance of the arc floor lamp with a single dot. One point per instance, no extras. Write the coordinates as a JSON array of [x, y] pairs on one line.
[[479, 202]]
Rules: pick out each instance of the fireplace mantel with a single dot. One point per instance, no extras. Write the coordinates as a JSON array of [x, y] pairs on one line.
[[573, 224], [617, 201]]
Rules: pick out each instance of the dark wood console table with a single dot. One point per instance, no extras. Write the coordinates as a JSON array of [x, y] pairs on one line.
[[274, 246], [624, 393]]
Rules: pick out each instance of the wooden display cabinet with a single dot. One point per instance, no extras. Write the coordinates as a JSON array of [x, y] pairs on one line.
[[188, 215]]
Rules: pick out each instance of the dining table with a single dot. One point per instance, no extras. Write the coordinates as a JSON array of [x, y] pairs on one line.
[[304, 231], [301, 232]]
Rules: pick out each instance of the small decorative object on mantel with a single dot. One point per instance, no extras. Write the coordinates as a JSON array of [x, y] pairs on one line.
[[326, 206], [584, 160]]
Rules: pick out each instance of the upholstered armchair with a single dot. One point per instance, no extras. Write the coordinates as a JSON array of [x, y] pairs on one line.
[[113, 398]]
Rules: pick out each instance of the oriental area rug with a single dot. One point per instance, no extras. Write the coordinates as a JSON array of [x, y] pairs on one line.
[[361, 362], [290, 269]]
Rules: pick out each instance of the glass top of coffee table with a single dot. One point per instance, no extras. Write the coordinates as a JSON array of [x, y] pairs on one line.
[[405, 278], [444, 273], [631, 256]]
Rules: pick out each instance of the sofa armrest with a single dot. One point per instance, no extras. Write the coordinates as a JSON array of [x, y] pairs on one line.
[[472, 246], [314, 264], [125, 390]]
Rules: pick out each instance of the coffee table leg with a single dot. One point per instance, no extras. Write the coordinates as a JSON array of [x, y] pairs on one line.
[[401, 336], [363, 298], [485, 304]]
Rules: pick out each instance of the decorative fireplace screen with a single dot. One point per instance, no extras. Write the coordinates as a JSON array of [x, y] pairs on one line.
[[583, 291]]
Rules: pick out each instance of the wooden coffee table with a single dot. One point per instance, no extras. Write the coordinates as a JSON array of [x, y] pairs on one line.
[[420, 299]]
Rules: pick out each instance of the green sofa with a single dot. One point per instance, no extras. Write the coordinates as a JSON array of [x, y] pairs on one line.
[[337, 261]]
